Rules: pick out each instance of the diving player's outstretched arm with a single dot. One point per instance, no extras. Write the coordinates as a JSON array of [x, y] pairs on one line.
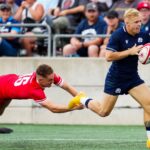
[[58, 108]]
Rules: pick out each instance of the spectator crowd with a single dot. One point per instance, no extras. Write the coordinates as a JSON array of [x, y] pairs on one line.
[[93, 20]]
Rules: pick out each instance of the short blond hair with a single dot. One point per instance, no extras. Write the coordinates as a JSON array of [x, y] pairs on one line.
[[130, 14]]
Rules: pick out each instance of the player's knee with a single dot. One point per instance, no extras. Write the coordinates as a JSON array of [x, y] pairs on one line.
[[104, 113]]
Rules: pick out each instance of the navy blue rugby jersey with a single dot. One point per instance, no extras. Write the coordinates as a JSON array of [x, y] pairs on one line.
[[119, 41]]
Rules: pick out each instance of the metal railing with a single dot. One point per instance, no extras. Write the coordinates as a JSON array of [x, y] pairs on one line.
[[48, 35], [56, 36]]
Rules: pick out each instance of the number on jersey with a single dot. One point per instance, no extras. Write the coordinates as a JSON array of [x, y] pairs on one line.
[[22, 80]]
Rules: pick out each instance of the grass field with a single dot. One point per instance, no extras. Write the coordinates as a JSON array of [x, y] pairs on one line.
[[73, 137]]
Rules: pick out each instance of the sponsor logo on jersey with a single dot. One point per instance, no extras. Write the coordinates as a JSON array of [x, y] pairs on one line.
[[140, 40], [126, 41], [118, 90], [146, 28]]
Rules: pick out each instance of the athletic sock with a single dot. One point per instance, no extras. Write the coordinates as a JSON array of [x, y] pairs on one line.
[[85, 101], [147, 127], [148, 133]]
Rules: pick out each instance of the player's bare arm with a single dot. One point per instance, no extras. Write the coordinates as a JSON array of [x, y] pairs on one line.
[[58, 108], [111, 56], [69, 88]]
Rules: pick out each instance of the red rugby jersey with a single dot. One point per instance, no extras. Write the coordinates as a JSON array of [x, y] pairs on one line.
[[14, 86]]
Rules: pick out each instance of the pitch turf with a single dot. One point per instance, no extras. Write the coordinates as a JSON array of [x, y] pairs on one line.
[[73, 137]]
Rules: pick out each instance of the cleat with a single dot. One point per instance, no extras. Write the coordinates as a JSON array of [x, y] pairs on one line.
[[5, 130], [148, 143], [76, 100]]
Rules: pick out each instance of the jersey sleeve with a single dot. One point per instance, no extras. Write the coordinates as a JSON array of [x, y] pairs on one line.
[[113, 43], [38, 95], [58, 80]]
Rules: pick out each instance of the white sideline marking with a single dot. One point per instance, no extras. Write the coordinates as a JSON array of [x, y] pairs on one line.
[[114, 140]]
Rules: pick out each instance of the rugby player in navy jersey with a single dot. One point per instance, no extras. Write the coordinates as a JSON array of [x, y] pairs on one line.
[[122, 77]]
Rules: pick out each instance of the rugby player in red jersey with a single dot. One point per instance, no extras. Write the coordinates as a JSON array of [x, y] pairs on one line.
[[31, 86]]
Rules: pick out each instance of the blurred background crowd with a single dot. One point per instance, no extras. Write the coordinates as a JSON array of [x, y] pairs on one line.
[[93, 20]]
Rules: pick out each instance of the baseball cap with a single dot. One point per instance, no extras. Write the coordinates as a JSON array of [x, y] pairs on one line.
[[5, 6], [112, 14], [143, 5], [91, 6]]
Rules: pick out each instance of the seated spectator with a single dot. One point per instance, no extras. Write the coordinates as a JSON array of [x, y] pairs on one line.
[[8, 46], [30, 11], [122, 5], [113, 23], [92, 25], [68, 14], [49, 5], [13, 5], [144, 9]]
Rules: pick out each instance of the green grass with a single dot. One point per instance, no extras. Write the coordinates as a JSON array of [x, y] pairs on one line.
[[73, 137]]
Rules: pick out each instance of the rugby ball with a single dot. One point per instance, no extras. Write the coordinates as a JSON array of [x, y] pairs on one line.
[[144, 54]]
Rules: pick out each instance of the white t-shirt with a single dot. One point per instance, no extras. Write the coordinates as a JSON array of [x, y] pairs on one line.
[[48, 4], [29, 14]]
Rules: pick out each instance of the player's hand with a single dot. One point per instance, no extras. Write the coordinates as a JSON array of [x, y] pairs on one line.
[[78, 107], [75, 101], [135, 49]]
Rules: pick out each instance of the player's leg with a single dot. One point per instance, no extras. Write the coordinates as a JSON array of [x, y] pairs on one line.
[[141, 94], [3, 105], [105, 106], [102, 108]]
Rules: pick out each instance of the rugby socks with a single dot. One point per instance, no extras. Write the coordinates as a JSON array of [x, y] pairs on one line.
[[147, 127], [148, 132], [85, 101]]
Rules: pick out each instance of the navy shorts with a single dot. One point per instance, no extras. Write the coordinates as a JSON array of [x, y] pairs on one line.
[[83, 52], [121, 85]]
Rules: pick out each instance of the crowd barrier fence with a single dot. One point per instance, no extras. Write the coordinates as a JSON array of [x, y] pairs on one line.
[[48, 35]]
